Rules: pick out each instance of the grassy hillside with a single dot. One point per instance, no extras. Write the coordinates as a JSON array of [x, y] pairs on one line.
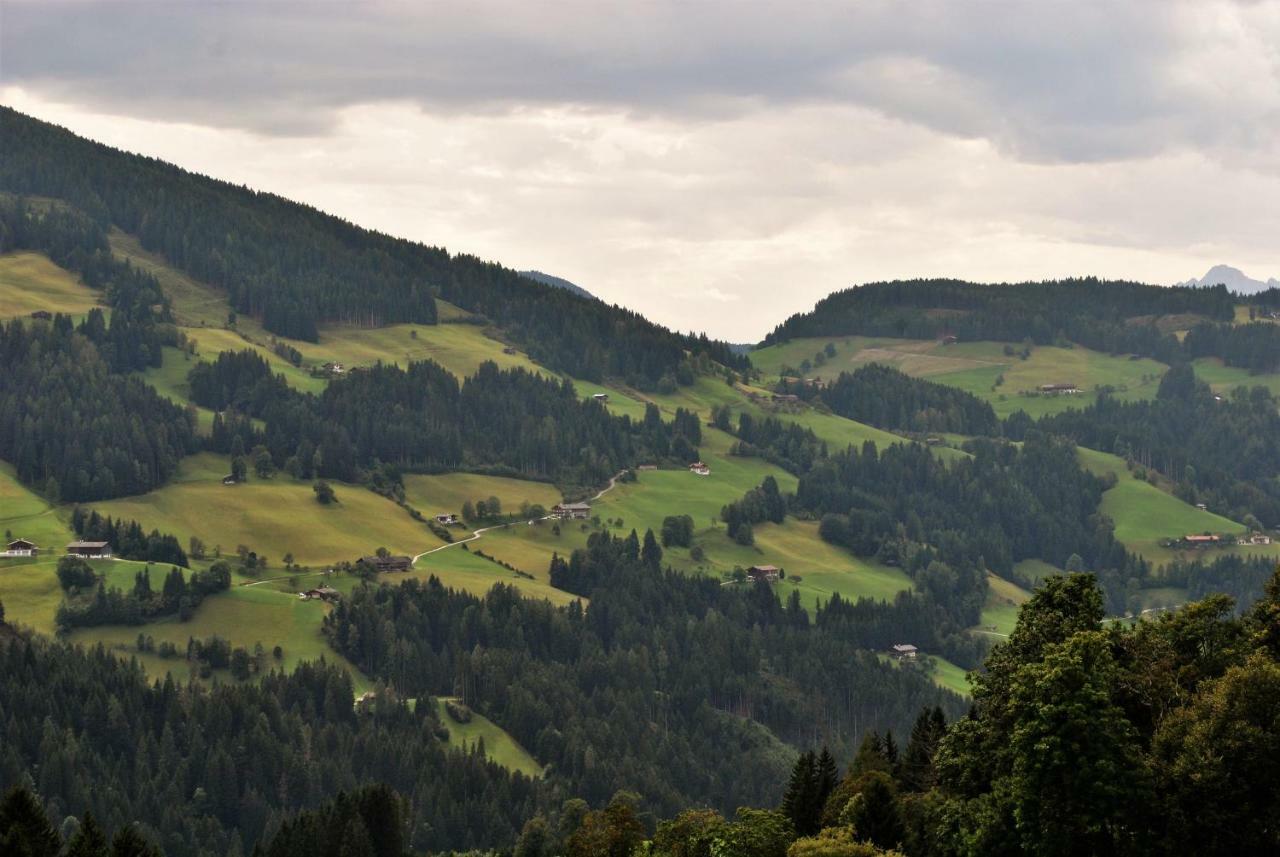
[[273, 517], [1223, 379], [498, 745], [244, 616], [438, 493], [814, 567], [977, 366], [1000, 613], [30, 282], [26, 515], [1144, 515]]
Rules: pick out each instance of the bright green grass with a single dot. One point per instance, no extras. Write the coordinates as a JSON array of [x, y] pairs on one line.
[[498, 745], [211, 341], [26, 515], [975, 367], [463, 570], [242, 615], [30, 590], [838, 432], [1130, 379], [1223, 379], [794, 545], [460, 348], [620, 403], [30, 282], [940, 671], [950, 676], [1144, 515], [273, 517], [1004, 598], [445, 493]]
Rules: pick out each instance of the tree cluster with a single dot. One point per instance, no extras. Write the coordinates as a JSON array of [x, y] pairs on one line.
[[76, 430], [643, 688]]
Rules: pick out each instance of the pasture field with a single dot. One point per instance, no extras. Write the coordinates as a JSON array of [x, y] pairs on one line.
[[838, 432], [976, 367], [498, 745], [212, 341], [30, 590], [1144, 515], [815, 568], [243, 615], [30, 282], [445, 493], [1223, 379], [1004, 598], [27, 515], [273, 517], [942, 672]]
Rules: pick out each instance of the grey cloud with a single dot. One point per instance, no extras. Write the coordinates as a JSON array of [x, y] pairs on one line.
[[1044, 81]]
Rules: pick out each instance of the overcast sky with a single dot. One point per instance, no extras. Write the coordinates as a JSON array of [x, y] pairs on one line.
[[715, 166]]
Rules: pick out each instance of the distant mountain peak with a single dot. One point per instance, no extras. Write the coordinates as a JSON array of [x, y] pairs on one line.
[[1234, 279], [558, 282]]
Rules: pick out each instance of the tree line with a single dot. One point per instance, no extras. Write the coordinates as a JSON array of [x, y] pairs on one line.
[[643, 687], [74, 429], [296, 268], [420, 418]]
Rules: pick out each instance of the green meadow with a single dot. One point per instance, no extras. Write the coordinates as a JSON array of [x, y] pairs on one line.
[[244, 616], [815, 568], [446, 492], [30, 282], [1144, 515], [498, 745], [274, 517], [1223, 379], [1000, 613], [981, 368]]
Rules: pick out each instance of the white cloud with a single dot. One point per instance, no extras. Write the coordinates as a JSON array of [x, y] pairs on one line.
[[672, 161]]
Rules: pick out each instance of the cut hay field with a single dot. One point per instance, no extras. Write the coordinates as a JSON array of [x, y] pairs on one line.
[[976, 367], [498, 745], [30, 282], [446, 493], [273, 517]]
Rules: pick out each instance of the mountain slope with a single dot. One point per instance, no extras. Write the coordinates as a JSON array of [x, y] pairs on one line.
[[297, 268]]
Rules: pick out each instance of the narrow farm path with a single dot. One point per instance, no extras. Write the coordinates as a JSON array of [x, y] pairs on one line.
[[475, 535]]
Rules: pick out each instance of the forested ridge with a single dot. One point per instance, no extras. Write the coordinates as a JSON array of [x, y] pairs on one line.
[[1114, 317], [420, 418], [297, 268]]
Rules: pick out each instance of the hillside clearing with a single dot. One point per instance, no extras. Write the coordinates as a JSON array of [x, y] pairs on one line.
[[977, 367], [273, 517], [30, 282], [498, 745]]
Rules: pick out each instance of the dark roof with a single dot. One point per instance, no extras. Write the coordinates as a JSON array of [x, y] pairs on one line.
[[78, 545], [22, 542], [573, 507]]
